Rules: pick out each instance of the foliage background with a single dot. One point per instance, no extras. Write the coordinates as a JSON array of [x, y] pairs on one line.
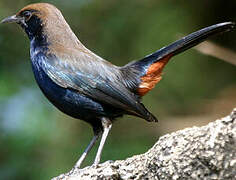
[[39, 142]]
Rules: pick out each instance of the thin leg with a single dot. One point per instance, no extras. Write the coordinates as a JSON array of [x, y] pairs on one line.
[[106, 123], [89, 147]]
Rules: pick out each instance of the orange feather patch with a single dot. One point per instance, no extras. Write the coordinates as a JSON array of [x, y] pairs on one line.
[[153, 76]]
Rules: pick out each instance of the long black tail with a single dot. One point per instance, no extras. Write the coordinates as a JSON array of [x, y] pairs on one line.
[[185, 43], [141, 76]]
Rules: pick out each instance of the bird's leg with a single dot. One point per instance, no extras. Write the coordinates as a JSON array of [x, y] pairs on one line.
[[107, 124], [89, 147]]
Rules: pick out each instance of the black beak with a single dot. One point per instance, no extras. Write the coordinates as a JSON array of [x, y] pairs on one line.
[[12, 19]]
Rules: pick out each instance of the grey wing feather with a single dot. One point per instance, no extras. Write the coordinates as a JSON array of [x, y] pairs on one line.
[[98, 83]]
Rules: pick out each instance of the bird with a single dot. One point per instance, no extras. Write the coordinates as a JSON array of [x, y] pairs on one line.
[[85, 86]]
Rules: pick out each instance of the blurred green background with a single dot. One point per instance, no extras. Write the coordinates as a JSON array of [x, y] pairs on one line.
[[39, 142]]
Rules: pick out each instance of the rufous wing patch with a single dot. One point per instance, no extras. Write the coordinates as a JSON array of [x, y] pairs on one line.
[[153, 76]]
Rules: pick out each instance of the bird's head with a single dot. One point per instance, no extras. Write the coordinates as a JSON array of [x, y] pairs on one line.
[[34, 17], [43, 19]]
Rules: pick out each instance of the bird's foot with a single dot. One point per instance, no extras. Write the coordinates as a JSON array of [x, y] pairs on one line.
[[77, 165], [95, 165]]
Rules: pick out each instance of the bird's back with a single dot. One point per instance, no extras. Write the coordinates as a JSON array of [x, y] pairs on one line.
[[83, 85]]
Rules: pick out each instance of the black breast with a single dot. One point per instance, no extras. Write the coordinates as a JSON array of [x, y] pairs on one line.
[[69, 101]]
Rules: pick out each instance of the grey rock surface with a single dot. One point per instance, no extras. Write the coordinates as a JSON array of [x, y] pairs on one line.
[[207, 152]]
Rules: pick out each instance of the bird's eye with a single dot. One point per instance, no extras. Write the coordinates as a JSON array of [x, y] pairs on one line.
[[27, 15]]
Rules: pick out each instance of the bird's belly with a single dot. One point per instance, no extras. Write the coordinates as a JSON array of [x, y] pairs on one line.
[[71, 102]]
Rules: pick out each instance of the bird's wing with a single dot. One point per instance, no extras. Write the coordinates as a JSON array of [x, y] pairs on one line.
[[97, 80]]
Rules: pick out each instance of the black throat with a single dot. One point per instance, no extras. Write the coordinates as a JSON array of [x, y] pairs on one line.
[[34, 29]]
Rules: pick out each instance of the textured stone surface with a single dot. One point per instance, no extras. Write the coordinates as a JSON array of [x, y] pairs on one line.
[[207, 152]]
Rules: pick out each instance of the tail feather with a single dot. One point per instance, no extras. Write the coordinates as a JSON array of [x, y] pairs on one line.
[[147, 71]]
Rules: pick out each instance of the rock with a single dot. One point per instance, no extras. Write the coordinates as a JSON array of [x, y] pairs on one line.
[[207, 152]]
